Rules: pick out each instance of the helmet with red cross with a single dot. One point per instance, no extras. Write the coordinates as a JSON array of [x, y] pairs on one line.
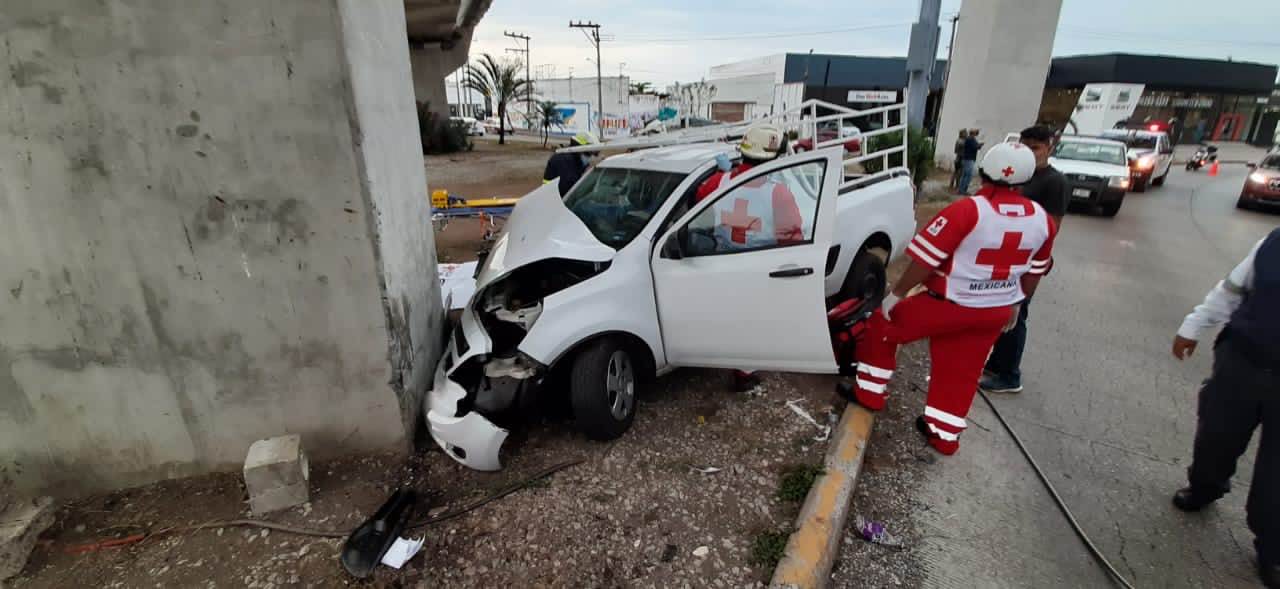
[[1010, 164]]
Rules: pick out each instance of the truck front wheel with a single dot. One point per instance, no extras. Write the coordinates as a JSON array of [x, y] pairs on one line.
[[866, 278], [602, 388]]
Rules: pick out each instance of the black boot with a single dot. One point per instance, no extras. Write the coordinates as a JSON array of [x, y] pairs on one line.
[[1188, 499]]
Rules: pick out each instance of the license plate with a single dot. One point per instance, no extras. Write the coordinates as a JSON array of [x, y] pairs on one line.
[[1081, 192]]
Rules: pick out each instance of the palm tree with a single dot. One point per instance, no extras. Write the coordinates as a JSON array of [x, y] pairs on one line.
[[499, 82], [641, 88], [547, 116]]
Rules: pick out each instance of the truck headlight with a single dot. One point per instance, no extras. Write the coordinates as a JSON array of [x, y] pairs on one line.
[[1119, 182], [1257, 178], [1146, 162]]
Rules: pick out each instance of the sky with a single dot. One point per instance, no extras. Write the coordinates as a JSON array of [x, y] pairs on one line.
[[665, 41]]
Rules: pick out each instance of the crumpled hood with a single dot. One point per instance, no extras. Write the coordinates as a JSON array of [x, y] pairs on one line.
[[540, 227], [1091, 168]]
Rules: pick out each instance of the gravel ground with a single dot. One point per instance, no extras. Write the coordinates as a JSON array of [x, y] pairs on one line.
[[896, 461], [634, 513]]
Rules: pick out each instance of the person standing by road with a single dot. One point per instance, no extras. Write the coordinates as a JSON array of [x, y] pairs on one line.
[[977, 259], [959, 151], [1003, 373], [1242, 393], [968, 161]]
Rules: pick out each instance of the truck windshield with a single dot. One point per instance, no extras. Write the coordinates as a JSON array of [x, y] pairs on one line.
[[616, 203], [1090, 152]]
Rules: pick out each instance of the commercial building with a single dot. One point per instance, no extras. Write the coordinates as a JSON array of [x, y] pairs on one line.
[[1213, 100], [756, 88], [1206, 99]]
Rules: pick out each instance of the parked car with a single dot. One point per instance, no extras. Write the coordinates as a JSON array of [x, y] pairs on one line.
[[1096, 170], [474, 127], [829, 130], [1150, 155], [491, 125], [659, 126], [594, 295], [1262, 187]]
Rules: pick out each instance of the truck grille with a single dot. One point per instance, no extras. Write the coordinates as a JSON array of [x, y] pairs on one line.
[[1275, 184], [1084, 178]]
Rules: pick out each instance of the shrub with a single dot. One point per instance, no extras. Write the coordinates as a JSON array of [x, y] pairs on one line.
[[440, 134], [919, 154]]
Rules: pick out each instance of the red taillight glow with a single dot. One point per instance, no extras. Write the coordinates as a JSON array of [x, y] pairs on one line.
[[1154, 127]]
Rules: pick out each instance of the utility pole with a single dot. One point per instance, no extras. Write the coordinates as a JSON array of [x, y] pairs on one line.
[[528, 97], [946, 73], [921, 55], [594, 37]]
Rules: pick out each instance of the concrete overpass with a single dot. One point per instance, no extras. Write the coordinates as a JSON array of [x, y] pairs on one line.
[[439, 39]]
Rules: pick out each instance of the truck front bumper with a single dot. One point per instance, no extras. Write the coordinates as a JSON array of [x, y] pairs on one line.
[[467, 436]]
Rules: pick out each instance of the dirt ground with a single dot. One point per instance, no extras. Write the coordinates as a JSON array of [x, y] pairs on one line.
[[490, 170], [634, 513]]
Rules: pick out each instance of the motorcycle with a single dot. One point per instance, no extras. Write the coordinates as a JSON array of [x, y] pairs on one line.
[[1204, 155]]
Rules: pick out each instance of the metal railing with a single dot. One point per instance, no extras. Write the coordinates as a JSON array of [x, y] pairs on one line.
[[803, 120]]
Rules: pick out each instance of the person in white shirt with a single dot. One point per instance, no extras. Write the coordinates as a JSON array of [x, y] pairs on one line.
[[1242, 393]]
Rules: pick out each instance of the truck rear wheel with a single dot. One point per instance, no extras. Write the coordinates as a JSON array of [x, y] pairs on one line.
[[866, 277], [602, 389]]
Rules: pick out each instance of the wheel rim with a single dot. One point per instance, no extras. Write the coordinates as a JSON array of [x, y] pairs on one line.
[[620, 385]]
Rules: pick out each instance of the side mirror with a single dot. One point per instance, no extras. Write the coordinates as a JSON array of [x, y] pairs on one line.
[[671, 250], [1252, 165]]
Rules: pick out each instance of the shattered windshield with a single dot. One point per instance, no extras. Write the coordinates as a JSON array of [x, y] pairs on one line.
[[1090, 152], [616, 203]]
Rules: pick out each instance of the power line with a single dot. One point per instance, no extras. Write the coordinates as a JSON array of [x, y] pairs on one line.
[[528, 59], [782, 35], [1131, 36]]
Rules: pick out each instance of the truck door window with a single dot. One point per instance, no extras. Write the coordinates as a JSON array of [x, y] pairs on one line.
[[775, 210]]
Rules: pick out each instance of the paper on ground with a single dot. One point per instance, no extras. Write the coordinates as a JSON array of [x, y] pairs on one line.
[[401, 551], [457, 284]]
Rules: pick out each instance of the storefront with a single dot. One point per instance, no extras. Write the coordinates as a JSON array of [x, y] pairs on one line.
[[1197, 99]]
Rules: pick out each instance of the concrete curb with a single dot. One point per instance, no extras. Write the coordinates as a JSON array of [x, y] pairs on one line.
[[812, 548]]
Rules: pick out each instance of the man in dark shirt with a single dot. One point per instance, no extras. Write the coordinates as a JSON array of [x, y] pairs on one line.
[[968, 160], [1003, 372], [569, 167], [959, 152]]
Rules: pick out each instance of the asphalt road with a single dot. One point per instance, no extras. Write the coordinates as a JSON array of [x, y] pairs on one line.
[[1107, 411]]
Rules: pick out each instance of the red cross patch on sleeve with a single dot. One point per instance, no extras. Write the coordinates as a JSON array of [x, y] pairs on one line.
[[937, 226]]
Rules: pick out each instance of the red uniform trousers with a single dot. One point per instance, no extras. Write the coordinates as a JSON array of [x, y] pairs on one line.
[[960, 338]]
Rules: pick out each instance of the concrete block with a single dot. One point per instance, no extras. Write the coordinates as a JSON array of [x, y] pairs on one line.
[[276, 474], [20, 524]]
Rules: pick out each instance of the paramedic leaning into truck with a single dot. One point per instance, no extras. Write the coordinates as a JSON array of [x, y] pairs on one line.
[[779, 223], [977, 259]]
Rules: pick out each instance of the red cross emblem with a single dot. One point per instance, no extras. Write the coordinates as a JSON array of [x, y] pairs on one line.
[[1003, 259], [1007, 171], [739, 222]]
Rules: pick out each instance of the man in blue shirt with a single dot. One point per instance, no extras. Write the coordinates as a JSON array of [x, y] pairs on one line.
[[968, 159]]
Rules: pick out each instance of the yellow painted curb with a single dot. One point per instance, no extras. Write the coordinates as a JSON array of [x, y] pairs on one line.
[[811, 550]]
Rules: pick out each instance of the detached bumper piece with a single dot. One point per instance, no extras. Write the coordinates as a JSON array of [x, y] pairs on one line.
[[366, 545]]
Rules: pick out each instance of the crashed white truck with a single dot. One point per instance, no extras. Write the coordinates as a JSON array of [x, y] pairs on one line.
[[589, 297]]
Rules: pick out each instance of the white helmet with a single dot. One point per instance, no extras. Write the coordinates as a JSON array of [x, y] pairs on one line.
[[761, 142], [1009, 163]]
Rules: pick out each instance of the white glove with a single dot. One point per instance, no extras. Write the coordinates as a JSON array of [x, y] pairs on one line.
[[888, 303], [1013, 319]]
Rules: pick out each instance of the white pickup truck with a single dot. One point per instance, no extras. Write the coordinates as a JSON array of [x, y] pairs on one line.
[[591, 296]]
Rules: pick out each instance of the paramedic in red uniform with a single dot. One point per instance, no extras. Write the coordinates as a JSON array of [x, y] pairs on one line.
[[751, 229], [977, 259]]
